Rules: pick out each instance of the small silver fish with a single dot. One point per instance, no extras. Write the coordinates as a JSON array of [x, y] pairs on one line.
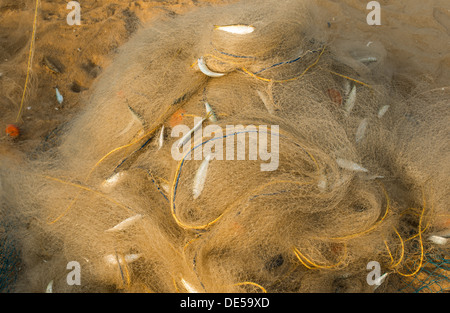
[[383, 111], [237, 29], [49, 287], [188, 286], [367, 60], [125, 223], [349, 165], [267, 103], [322, 183], [347, 88], [361, 131], [350, 102], [165, 187], [112, 180], [129, 258], [380, 280], [59, 96], [161, 138], [200, 177], [210, 112], [205, 70], [438, 240]]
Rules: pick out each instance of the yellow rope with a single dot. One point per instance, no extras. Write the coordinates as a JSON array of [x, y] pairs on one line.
[[298, 254], [253, 284], [389, 251], [301, 257], [175, 285], [403, 249], [426, 226], [392, 265], [352, 79], [30, 58], [420, 241]]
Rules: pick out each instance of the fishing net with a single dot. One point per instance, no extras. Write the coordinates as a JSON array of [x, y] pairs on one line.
[[352, 166]]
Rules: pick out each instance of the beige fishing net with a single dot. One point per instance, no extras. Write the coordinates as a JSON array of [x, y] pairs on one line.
[[361, 174]]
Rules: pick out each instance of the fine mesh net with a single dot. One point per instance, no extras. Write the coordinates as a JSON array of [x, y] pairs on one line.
[[357, 168]]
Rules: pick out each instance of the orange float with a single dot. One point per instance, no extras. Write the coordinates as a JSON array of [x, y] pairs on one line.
[[12, 131]]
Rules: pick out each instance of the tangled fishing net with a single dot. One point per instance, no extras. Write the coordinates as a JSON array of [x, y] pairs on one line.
[[362, 173]]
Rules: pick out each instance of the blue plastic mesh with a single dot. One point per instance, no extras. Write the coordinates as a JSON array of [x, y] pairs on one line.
[[434, 277]]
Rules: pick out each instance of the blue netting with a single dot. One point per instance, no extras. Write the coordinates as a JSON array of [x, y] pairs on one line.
[[434, 277]]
